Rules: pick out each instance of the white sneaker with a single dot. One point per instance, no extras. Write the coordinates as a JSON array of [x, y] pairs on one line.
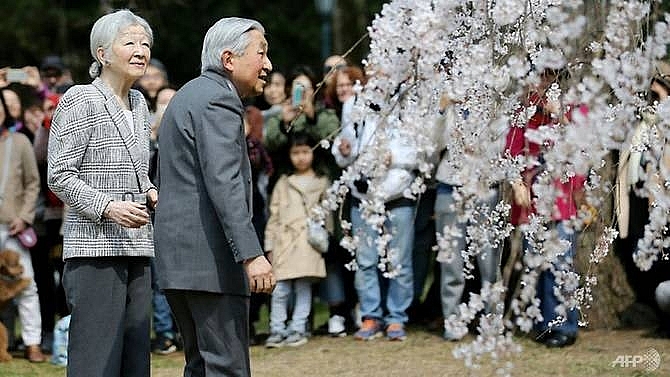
[[275, 341], [336, 326], [295, 339]]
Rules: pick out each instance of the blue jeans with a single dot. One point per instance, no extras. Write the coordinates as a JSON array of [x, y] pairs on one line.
[[452, 280], [162, 316], [368, 280], [302, 288], [546, 283]]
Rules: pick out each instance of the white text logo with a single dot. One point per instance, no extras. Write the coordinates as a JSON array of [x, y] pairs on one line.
[[650, 360]]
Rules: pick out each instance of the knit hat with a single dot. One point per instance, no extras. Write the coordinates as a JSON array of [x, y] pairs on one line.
[[53, 62]]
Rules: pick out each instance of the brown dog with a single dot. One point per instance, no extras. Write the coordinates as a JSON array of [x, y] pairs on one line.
[[11, 284]]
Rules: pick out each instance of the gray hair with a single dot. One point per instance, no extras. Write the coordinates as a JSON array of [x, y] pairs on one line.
[[107, 28], [226, 34]]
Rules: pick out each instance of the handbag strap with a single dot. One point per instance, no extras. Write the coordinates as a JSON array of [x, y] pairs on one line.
[[302, 197], [5, 166]]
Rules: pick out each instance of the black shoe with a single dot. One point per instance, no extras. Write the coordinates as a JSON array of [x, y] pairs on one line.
[[558, 340], [18, 346], [47, 342], [254, 339], [163, 345], [321, 330]]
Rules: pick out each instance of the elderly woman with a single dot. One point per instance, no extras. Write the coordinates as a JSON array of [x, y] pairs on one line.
[[98, 164]]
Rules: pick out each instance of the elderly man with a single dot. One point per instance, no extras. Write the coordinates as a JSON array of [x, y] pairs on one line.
[[208, 254]]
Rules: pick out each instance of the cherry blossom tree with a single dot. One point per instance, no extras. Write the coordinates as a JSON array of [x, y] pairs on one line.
[[483, 55]]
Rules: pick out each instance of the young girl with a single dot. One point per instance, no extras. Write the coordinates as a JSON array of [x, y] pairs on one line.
[[295, 263]]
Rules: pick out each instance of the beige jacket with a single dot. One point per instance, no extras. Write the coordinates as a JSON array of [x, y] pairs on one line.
[[622, 188], [23, 180], [286, 230]]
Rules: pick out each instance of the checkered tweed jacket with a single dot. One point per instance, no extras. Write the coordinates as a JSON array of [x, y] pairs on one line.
[[95, 158]]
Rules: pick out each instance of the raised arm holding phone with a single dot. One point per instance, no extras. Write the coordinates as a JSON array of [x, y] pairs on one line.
[[300, 113]]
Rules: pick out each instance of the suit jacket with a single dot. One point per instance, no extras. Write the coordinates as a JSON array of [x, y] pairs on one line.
[[203, 221], [94, 158]]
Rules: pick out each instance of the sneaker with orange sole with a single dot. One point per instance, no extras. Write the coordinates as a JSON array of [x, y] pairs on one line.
[[396, 331], [370, 329]]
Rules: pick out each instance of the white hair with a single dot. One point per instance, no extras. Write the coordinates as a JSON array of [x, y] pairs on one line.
[[226, 34], [107, 28]]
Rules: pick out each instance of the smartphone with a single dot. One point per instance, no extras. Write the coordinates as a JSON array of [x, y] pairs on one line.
[[298, 92], [16, 75]]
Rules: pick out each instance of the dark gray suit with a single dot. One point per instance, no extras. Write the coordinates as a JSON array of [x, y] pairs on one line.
[[203, 228]]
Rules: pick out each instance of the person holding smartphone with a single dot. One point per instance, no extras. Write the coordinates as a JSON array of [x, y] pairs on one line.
[[28, 75], [300, 112]]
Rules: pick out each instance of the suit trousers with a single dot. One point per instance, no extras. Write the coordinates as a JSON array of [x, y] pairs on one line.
[[110, 300], [215, 331]]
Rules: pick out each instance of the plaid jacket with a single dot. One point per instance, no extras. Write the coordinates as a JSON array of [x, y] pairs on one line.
[[95, 158]]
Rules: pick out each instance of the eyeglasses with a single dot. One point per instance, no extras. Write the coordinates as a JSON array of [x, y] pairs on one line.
[[328, 68]]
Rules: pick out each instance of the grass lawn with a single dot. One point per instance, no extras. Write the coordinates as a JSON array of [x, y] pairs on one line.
[[423, 354]]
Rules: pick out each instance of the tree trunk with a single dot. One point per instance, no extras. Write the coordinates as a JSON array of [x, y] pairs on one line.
[[612, 295]]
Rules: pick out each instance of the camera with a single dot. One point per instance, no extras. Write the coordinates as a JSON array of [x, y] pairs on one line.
[[296, 96], [16, 75]]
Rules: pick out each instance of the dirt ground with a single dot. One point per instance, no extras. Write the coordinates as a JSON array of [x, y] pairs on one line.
[[426, 354], [423, 354]]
